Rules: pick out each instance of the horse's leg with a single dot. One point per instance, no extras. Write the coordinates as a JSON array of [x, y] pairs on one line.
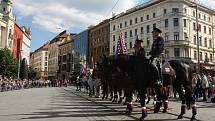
[[120, 96], [115, 95], [165, 99], [158, 103], [142, 95], [182, 97], [190, 100], [148, 95], [129, 94]]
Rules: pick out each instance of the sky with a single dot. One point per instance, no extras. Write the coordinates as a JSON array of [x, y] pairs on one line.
[[47, 18]]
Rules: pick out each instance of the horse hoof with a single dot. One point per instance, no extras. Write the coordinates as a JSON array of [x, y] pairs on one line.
[[180, 117], [142, 118], [147, 102], [193, 118], [164, 111]]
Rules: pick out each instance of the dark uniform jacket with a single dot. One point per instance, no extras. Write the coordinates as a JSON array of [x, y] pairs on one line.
[[157, 47], [140, 52]]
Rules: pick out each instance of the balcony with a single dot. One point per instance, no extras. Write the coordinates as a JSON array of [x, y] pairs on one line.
[[177, 43]]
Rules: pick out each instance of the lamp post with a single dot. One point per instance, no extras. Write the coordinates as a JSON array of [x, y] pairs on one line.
[[18, 74], [197, 36]]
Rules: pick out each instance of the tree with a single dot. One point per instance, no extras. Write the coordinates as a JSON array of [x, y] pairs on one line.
[[32, 73], [23, 69], [8, 64]]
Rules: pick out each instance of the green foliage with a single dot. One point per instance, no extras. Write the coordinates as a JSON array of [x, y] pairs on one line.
[[32, 73], [8, 64]]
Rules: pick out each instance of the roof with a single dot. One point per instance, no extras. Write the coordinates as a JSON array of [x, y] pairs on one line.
[[154, 2], [63, 34]]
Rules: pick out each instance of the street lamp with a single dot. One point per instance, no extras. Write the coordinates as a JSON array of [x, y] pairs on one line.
[[19, 64], [197, 34]]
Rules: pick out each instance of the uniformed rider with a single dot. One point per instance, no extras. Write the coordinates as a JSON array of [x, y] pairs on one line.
[[138, 49], [156, 52]]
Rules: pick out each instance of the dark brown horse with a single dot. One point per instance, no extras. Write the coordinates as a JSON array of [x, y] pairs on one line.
[[136, 73]]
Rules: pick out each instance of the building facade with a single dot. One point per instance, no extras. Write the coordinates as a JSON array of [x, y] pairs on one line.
[[65, 60], [21, 43], [39, 61], [99, 38], [81, 50], [53, 50], [7, 24], [177, 20]]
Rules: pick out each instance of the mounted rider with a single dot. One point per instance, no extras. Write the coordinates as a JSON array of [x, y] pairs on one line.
[[156, 52], [138, 49]]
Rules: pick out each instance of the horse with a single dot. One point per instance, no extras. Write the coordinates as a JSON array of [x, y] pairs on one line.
[[141, 75]]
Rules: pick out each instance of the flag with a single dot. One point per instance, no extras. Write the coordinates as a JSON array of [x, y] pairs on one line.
[[121, 46], [93, 64]]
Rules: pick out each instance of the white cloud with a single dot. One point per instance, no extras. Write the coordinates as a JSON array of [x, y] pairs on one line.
[[67, 14]]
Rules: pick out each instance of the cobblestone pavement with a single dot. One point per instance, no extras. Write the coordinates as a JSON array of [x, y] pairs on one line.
[[65, 104]]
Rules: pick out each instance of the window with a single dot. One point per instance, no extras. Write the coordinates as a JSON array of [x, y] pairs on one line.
[[185, 22], [46, 58], [147, 17], [166, 37], [194, 14], [114, 27], [164, 11], [126, 35], [194, 26], [120, 25], [141, 19], [114, 38], [176, 35], [199, 28], [148, 42], [154, 15], [141, 30], [200, 41], [46, 69], [148, 29], [130, 22], [177, 52], [46, 63], [199, 15], [154, 25], [130, 45], [211, 57], [206, 43], [175, 22], [131, 34], [195, 55], [200, 55], [166, 22], [64, 58], [210, 43], [209, 19], [209, 31], [125, 23], [175, 10], [194, 40], [204, 17], [206, 57], [166, 53], [185, 10], [185, 36], [136, 32], [135, 20], [64, 67], [114, 49], [205, 29]]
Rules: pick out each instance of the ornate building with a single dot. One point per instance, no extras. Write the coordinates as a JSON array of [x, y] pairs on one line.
[[177, 20]]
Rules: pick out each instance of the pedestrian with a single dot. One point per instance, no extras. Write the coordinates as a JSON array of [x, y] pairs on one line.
[[205, 86]]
